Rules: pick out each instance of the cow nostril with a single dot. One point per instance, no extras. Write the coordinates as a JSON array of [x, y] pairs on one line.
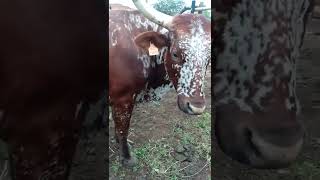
[[248, 136], [189, 107]]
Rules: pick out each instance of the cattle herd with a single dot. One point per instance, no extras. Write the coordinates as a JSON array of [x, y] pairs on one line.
[[54, 64]]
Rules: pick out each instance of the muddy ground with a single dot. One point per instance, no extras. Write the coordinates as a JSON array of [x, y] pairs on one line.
[[308, 88]]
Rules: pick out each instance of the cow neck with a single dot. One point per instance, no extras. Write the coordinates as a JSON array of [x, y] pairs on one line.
[[157, 82]]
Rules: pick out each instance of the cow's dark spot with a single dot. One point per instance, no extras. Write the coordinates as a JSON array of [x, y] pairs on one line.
[[150, 28], [259, 73], [292, 99], [234, 49], [278, 70], [246, 84], [242, 18], [248, 6], [262, 42], [233, 33], [249, 49], [231, 76], [238, 92], [290, 76]]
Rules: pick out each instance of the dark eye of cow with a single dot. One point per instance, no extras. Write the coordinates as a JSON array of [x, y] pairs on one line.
[[174, 56]]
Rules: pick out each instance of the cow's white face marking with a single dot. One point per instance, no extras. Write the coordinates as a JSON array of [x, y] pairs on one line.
[[196, 53], [253, 38]]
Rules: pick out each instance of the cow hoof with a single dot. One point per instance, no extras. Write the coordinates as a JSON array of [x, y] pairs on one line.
[[132, 161]]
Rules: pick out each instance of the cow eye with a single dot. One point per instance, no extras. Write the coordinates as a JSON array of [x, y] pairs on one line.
[[174, 56]]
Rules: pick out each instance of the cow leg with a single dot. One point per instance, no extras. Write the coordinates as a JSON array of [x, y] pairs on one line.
[[121, 112], [42, 146], [4, 162], [43, 161]]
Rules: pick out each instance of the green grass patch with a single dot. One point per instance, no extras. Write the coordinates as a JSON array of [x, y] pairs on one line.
[[307, 170], [156, 159]]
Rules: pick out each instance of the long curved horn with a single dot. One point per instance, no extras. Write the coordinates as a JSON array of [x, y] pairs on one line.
[[152, 14]]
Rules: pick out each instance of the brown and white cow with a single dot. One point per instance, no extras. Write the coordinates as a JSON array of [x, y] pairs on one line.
[[184, 45], [52, 62], [257, 110]]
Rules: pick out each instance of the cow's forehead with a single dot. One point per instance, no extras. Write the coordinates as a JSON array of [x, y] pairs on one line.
[[196, 45], [191, 34], [186, 23]]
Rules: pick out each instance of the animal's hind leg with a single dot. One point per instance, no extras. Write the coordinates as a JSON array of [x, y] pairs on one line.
[[5, 171], [50, 160], [121, 112], [43, 145]]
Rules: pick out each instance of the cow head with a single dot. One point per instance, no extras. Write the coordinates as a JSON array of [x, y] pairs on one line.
[[188, 53], [257, 108]]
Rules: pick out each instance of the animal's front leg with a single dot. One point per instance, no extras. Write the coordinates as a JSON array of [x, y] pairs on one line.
[[121, 112]]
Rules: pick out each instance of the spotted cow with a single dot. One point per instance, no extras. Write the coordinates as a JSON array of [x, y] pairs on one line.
[[257, 111], [135, 75], [52, 64]]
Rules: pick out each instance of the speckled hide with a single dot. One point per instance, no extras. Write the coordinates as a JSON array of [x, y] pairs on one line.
[[135, 76], [257, 45]]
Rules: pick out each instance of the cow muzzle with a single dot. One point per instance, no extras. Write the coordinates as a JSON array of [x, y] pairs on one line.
[[270, 143], [191, 105]]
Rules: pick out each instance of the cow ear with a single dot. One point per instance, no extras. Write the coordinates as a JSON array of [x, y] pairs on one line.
[[143, 40]]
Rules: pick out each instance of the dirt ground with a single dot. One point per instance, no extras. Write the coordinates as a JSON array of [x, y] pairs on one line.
[[307, 166]]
